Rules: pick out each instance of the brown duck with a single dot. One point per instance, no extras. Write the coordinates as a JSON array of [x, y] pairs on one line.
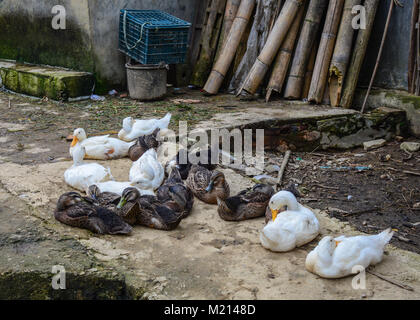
[[143, 144], [248, 204], [207, 185], [175, 194], [182, 161], [110, 201], [149, 211], [77, 211]]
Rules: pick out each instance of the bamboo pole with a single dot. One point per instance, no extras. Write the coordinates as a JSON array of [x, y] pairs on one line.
[[263, 19], [209, 41], [309, 72], [232, 7], [227, 54], [358, 55], [272, 46], [304, 46], [282, 62], [342, 53], [325, 51], [240, 53]]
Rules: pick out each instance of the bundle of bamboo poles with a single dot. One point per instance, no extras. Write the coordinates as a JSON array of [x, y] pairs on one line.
[[301, 49]]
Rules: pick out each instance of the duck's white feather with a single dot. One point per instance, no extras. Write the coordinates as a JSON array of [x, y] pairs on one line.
[[101, 147], [132, 129], [148, 170], [82, 175], [119, 187], [292, 228], [329, 260]]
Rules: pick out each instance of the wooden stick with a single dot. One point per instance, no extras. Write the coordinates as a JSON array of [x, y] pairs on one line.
[[388, 20], [309, 72], [272, 46], [304, 48], [416, 84], [353, 213], [209, 42], [413, 46], [227, 54], [231, 9], [325, 51], [260, 30], [412, 173], [282, 62], [342, 53], [197, 32], [401, 285], [358, 55], [283, 168]]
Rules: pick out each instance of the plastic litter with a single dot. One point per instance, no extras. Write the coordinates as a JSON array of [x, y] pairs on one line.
[[357, 168], [95, 97]]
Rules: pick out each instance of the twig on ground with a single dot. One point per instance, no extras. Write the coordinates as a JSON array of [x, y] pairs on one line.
[[412, 172], [283, 168], [326, 187], [361, 211], [401, 285], [404, 171]]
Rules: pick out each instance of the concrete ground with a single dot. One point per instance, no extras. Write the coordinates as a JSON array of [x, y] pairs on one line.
[[204, 258]]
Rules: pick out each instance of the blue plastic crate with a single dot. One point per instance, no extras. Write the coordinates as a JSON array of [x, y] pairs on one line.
[[153, 36]]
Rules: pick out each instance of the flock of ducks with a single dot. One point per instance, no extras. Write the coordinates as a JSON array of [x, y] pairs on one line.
[[160, 195]]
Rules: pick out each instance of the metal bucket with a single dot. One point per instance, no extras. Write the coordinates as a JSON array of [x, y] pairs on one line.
[[146, 82]]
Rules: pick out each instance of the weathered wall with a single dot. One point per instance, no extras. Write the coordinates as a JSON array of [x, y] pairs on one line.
[[26, 33], [90, 41], [110, 63], [393, 68]]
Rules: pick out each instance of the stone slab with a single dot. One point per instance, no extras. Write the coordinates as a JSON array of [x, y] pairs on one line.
[[45, 81]]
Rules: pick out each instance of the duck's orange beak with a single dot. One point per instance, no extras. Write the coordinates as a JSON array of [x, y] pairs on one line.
[[74, 142], [337, 243], [274, 214]]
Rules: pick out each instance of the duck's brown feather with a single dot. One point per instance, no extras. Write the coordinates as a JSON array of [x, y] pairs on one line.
[[248, 204]]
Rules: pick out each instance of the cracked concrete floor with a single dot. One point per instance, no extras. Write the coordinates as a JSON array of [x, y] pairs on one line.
[[204, 258]]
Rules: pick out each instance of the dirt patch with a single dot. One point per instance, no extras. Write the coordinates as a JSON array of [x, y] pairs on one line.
[[25, 122], [370, 190]]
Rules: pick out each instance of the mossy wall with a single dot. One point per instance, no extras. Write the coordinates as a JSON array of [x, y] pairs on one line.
[[28, 36], [89, 42]]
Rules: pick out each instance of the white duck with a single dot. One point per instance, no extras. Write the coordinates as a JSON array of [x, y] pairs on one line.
[[81, 175], [148, 169], [134, 128], [118, 187], [100, 147], [335, 258], [291, 228]]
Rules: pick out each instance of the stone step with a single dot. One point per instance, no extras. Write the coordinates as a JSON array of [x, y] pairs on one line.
[[44, 81], [305, 127], [394, 99]]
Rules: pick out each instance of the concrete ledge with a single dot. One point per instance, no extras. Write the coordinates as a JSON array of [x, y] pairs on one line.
[[305, 127], [395, 99], [44, 81]]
